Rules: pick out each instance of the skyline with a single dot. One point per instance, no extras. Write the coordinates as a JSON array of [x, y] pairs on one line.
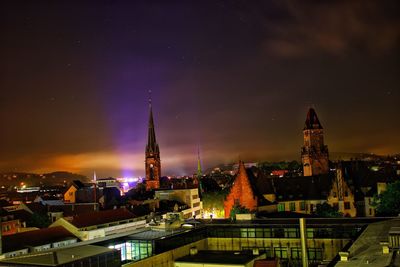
[[234, 79]]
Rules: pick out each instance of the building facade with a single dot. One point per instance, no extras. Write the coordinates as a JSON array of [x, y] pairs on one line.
[[190, 197]]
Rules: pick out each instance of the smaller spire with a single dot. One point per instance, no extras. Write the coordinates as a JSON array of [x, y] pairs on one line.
[[94, 176], [199, 171]]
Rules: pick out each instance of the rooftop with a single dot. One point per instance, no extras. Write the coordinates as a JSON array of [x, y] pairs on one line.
[[101, 217], [367, 250], [35, 238], [155, 234], [220, 257], [58, 257]]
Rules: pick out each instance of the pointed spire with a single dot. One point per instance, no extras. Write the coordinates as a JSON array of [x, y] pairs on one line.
[[312, 121], [152, 146], [94, 176], [199, 172], [242, 169]]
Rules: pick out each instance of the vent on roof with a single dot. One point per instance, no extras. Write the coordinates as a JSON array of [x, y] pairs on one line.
[[394, 237]]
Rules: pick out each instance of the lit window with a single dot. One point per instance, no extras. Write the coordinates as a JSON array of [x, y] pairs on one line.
[[281, 207]]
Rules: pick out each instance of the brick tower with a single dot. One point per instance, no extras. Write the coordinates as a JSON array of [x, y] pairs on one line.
[[314, 154], [153, 162], [241, 192]]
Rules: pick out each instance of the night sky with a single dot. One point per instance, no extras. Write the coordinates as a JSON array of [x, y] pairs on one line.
[[235, 78]]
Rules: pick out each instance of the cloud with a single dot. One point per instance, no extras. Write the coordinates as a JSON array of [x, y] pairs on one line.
[[334, 28]]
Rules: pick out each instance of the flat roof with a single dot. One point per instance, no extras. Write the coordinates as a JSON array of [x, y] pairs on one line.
[[152, 234], [57, 257], [219, 257], [367, 250], [295, 221], [101, 217], [35, 238]]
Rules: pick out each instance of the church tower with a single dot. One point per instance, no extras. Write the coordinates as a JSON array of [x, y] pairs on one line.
[[153, 162], [199, 174], [314, 153]]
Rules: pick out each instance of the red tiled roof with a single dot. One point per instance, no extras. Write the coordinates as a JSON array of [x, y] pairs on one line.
[[35, 238], [101, 217]]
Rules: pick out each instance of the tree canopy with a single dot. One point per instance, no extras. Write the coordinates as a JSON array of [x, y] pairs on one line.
[[327, 211], [39, 220], [388, 203], [238, 209]]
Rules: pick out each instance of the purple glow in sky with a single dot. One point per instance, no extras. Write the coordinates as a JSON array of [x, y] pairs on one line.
[[233, 77]]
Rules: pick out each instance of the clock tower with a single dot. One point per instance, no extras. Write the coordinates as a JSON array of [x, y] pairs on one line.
[[314, 153], [152, 161]]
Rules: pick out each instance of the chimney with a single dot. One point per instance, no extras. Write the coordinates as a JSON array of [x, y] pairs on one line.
[[193, 251]]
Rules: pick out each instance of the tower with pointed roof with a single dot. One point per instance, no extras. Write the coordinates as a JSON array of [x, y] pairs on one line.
[[199, 173], [241, 192], [314, 153], [152, 161]]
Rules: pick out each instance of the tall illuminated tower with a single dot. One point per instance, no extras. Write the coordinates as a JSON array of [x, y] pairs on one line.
[[314, 153], [199, 173], [152, 162]]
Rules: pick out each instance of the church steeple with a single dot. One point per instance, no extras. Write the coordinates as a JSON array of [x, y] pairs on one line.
[[152, 146], [199, 172], [314, 153], [153, 162]]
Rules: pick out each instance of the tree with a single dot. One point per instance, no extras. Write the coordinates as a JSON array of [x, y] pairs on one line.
[[327, 211], [387, 203], [39, 220], [238, 209], [213, 202]]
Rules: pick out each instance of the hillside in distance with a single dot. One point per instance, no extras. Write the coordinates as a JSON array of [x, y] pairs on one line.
[[11, 179]]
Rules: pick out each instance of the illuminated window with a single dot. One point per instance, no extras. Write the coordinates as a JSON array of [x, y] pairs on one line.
[[259, 232], [281, 207], [296, 253], [310, 232], [292, 206], [251, 232], [280, 253], [314, 254], [292, 233], [302, 205], [267, 232], [346, 205]]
